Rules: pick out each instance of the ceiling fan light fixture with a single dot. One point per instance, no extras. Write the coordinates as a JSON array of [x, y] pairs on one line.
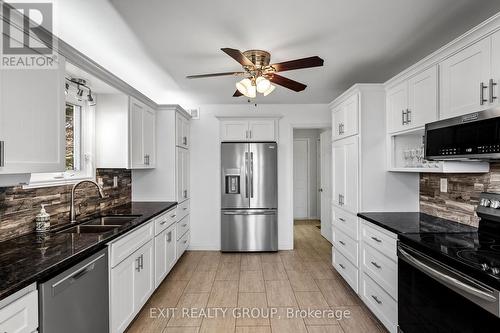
[[252, 92], [269, 90], [244, 86], [263, 84]]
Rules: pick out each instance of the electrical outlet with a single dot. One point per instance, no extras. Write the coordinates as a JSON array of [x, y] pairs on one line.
[[99, 181], [115, 181], [444, 185]]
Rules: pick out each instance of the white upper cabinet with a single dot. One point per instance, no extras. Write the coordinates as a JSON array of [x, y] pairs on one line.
[[345, 186], [345, 117], [464, 80], [248, 129], [125, 133], [182, 174], [414, 102], [32, 120], [494, 84], [182, 131]]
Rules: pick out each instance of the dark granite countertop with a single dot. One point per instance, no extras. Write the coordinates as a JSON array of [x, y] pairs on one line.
[[414, 222], [31, 258]]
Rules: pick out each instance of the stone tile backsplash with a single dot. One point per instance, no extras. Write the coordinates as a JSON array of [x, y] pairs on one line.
[[459, 203], [18, 206]]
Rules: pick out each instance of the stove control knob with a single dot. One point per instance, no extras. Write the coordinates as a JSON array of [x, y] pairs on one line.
[[495, 204], [484, 266], [495, 270], [485, 202]]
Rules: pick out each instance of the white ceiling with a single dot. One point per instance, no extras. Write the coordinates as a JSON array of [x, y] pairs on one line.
[[360, 41]]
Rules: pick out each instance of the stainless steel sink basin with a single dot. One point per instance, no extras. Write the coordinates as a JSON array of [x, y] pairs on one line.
[[112, 220], [89, 229]]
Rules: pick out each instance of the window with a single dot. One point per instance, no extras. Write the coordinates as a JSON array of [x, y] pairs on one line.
[[79, 134]]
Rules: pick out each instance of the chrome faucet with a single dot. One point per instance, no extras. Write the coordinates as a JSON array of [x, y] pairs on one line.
[[72, 214]]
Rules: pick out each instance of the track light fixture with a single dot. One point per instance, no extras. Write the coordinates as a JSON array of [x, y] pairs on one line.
[[81, 84]]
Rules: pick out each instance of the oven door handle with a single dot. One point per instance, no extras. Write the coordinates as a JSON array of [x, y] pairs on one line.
[[446, 279]]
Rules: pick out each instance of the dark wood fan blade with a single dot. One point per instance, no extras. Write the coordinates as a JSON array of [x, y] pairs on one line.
[[213, 75], [298, 64], [237, 94], [287, 83], [238, 56]]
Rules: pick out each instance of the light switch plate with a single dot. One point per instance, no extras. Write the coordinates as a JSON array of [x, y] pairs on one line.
[[115, 181], [444, 185]]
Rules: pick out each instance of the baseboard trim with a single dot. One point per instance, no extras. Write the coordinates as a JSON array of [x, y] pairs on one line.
[[200, 247]]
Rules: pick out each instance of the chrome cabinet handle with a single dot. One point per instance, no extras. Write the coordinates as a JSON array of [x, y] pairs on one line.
[[185, 208], [185, 140], [138, 266], [376, 240], [2, 154], [376, 299], [341, 242], [403, 117], [184, 224], [408, 116], [185, 193], [185, 241], [341, 219], [163, 222], [169, 236], [376, 265], [142, 261], [173, 215], [482, 100], [492, 91], [342, 266]]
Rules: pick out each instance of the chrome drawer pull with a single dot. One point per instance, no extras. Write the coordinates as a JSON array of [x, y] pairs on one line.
[[341, 242], [342, 266], [376, 240], [163, 222], [172, 216], [341, 219], [376, 265], [376, 299], [185, 208], [184, 225]]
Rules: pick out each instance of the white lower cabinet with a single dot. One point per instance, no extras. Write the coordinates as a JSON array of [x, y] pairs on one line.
[[20, 314], [379, 302], [165, 253], [345, 268]]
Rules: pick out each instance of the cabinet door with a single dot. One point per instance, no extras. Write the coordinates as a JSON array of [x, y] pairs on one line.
[[494, 95], [122, 294], [185, 175], [461, 77], [422, 98], [182, 174], [351, 113], [234, 130], [182, 132], [351, 153], [397, 103], [165, 256], [338, 162], [32, 119], [337, 121], [262, 130], [149, 134], [187, 132], [144, 275], [136, 126]]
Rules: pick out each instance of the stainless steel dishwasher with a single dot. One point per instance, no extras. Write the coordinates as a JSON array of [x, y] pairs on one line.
[[77, 300]]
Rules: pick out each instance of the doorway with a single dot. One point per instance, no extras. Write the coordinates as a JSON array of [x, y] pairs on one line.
[[312, 179]]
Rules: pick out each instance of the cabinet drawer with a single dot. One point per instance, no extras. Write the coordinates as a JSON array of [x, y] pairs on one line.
[[346, 245], [129, 243], [165, 220], [182, 226], [380, 303], [348, 271], [21, 315], [182, 209], [379, 240], [381, 269], [348, 223], [182, 244]]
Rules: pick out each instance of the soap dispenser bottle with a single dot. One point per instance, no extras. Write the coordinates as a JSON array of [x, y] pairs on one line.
[[42, 221]]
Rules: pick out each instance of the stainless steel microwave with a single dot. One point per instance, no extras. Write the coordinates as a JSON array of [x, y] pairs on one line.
[[472, 136]]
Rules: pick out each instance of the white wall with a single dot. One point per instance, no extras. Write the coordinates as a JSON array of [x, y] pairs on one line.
[[205, 166], [313, 136]]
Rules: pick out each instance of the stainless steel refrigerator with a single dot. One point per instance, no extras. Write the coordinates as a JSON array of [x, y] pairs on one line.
[[249, 188]]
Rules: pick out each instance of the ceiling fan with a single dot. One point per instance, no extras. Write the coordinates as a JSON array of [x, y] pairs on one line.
[[258, 73]]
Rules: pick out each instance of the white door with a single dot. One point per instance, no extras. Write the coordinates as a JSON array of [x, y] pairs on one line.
[[461, 77], [143, 274], [234, 130], [32, 119], [300, 178], [494, 96], [423, 97], [397, 103], [136, 139], [149, 130], [325, 189], [122, 296]]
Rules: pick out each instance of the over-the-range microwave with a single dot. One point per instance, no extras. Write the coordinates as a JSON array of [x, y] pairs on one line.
[[472, 136]]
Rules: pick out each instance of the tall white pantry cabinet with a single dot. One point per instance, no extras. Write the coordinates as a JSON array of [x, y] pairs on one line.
[[361, 182]]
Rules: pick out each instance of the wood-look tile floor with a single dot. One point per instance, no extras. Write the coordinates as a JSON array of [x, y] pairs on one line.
[[299, 279]]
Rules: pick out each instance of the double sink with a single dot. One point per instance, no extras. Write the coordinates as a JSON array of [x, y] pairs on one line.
[[100, 224]]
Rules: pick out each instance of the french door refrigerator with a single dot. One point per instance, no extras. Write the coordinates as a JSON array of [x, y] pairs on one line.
[[249, 202]]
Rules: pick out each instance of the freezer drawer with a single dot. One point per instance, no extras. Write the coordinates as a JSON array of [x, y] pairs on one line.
[[249, 230]]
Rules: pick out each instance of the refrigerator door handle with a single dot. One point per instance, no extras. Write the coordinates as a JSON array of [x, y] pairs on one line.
[[246, 174], [252, 212], [251, 175]]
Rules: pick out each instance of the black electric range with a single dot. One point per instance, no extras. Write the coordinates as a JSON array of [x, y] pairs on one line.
[[450, 281]]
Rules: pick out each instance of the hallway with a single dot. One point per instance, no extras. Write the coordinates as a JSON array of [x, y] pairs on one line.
[[298, 279]]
